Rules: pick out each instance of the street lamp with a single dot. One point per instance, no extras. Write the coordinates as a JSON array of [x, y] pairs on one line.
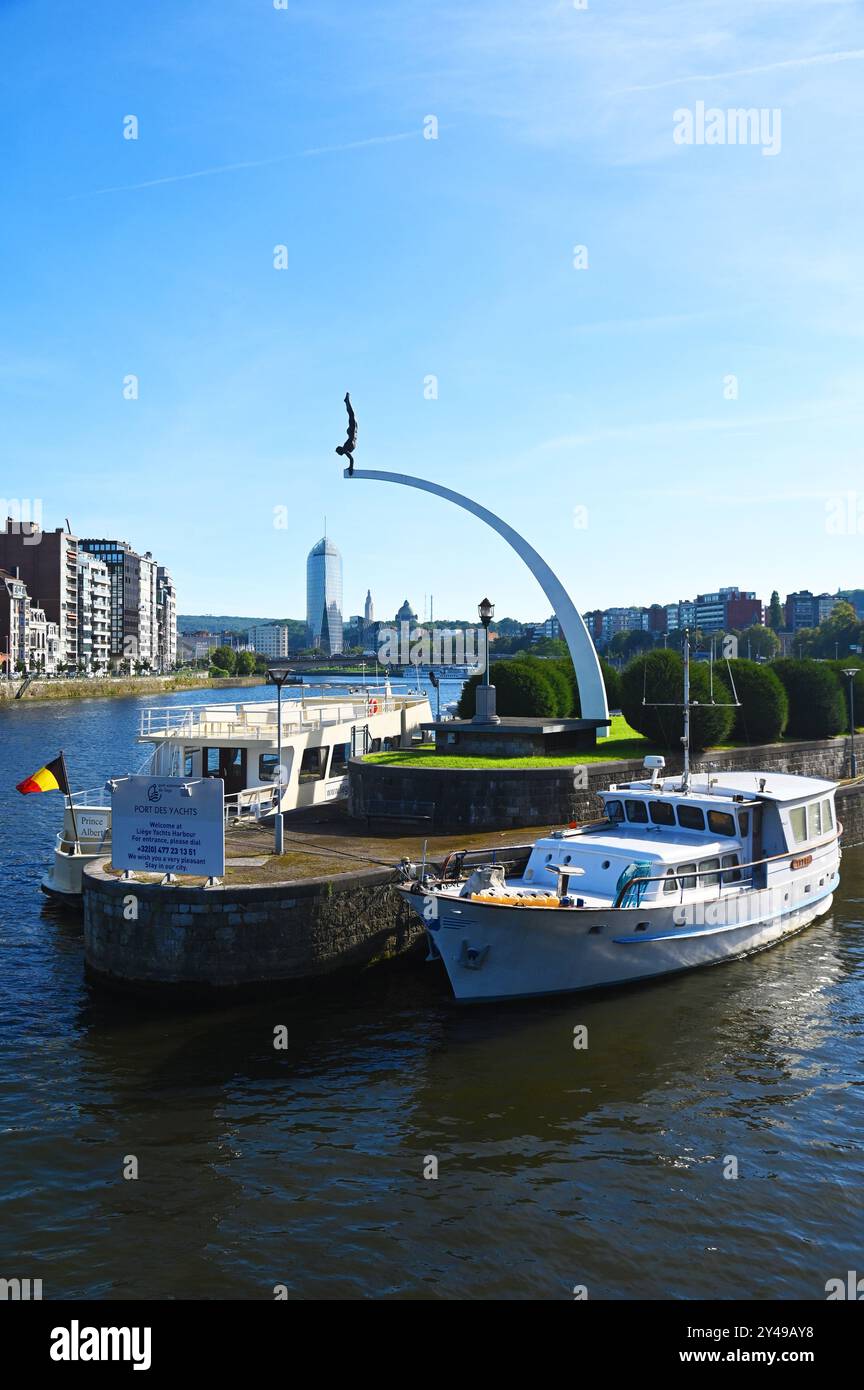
[[279, 675], [850, 672], [485, 701]]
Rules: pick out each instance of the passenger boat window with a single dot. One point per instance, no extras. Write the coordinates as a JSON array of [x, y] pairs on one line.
[[188, 764], [708, 872], [662, 812], [731, 869], [670, 883], [313, 763], [687, 874], [814, 819], [744, 824], [211, 762], [798, 822], [721, 822], [267, 765], [637, 811], [339, 761], [827, 817], [691, 818], [614, 810]]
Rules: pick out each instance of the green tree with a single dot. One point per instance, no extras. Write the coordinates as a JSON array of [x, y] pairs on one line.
[[658, 678], [758, 641], [764, 709], [816, 705], [776, 619], [225, 658], [245, 664]]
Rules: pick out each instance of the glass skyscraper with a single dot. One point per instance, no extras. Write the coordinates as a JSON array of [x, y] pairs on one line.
[[324, 597]]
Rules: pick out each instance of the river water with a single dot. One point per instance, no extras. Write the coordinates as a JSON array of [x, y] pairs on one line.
[[557, 1167]]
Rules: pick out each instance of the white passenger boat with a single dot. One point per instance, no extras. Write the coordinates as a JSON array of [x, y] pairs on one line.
[[681, 871], [240, 743]]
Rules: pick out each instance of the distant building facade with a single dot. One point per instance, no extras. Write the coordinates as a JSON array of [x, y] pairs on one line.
[[47, 563], [269, 639], [324, 597]]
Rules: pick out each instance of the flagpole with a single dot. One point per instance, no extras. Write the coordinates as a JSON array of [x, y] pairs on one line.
[[69, 798]]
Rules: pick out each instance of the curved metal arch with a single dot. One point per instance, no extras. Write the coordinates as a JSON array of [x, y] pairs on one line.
[[589, 677]]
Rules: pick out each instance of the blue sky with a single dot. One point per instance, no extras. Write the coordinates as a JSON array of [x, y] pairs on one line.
[[558, 388]]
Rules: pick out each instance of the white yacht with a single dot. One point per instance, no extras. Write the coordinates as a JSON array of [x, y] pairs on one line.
[[240, 743], [681, 871]]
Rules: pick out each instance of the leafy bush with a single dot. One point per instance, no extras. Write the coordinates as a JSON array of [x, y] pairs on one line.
[[218, 671], [659, 677], [764, 708], [840, 667], [817, 708], [522, 688]]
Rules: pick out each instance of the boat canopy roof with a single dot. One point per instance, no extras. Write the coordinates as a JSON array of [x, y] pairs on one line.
[[752, 786]]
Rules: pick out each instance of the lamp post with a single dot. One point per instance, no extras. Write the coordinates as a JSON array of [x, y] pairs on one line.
[[485, 703], [851, 672], [279, 676]]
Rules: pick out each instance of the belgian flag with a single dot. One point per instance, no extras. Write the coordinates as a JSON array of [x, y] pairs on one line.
[[50, 778]]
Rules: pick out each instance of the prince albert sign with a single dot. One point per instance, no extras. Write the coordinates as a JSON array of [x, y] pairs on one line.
[[169, 825]]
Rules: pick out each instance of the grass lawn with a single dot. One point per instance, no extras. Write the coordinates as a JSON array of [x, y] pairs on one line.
[[623, 742]]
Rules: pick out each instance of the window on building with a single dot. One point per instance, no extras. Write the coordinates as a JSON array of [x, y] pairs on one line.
[[798, 823], [662, 812], [691, 818], [721, 822], [313, 764], [637, 811]]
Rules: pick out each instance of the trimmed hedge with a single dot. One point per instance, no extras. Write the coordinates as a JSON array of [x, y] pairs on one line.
[[764, 708], [817, 707], [839, 667], [659, 676], [521, 689]]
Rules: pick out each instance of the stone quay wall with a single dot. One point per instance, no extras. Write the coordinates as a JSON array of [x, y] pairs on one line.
[[496, 798]]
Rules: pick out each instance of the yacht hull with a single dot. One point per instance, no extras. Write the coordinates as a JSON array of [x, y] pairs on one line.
[[492, 952]]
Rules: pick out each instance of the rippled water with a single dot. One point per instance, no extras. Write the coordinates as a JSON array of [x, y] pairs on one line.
[[556, 1167]]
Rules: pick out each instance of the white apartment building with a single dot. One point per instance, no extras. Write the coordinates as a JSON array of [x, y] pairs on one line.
[[94, 613], [166, 598], [270, 640]]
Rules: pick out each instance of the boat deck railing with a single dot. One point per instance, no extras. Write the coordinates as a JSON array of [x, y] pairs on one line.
[[258, 721]]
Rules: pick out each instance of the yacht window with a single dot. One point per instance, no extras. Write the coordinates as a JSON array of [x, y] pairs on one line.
[[687, 874], [827, 817], [614, 810], [267, 765], [744, 824], [339, 761], [814, 819], [211, 762], [691, 818], [670, 883], [798, 822], [662, 812], [731, 869], [637, 811], [188, 764], [721, 822], [313, 764], [708, 875]]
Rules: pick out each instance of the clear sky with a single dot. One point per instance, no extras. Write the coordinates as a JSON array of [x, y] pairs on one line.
[[559, 388]]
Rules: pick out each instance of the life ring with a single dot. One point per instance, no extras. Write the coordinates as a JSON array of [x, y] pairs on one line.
[[373, 706]]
